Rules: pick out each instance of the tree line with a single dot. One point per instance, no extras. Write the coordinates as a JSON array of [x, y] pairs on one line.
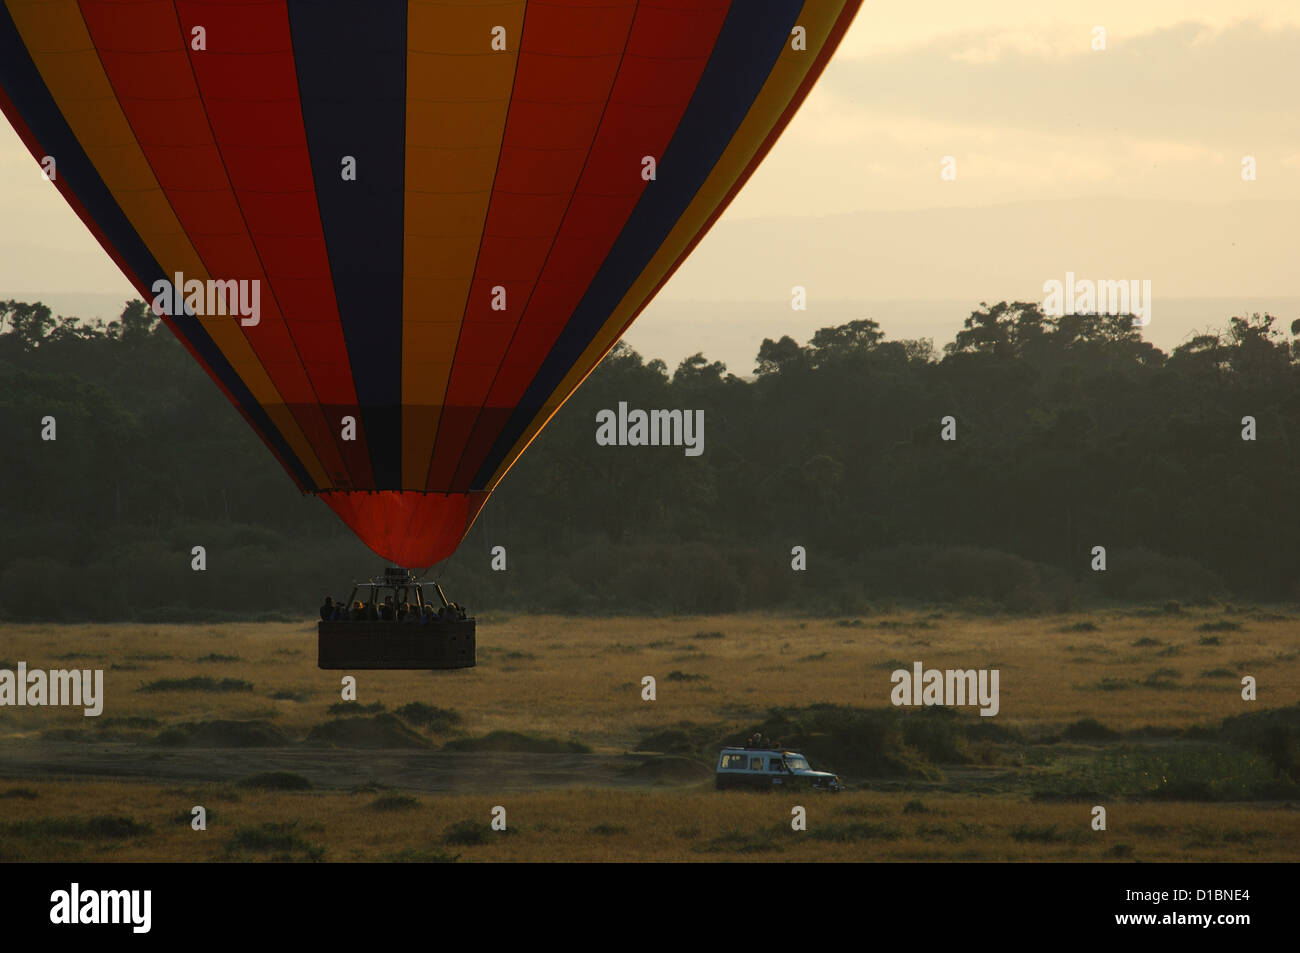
[[1069, 433]]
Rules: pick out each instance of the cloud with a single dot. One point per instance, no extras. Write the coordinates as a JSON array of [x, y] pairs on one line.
[[1188, 82], [1167, 113]]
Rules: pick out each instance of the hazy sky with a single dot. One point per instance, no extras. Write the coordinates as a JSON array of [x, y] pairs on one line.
[[1123, 163], [1014, 92]]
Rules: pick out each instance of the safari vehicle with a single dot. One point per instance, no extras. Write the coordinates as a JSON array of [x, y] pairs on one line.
[[443, 637], [769, 769]]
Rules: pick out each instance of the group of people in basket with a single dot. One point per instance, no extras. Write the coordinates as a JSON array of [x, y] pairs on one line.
[[389, 611]]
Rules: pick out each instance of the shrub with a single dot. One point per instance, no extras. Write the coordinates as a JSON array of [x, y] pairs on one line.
[[1275, 734], [1041, 835], [199, 683], [1084, 626], [430, 716], [937, 734], [469, 833], [281, 839], [101, 827], [394, 802], [377, 731], [1223, 625], [1089, 729], [1202, 773], [1113, 684], [863, 742]]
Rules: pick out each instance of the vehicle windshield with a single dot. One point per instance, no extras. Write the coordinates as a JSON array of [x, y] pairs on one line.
[[796, 762]]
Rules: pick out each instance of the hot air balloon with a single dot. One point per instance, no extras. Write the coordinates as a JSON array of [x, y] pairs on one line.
[[448, 213]]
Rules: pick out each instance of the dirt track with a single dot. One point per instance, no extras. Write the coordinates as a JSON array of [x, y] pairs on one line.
[[326, 768]]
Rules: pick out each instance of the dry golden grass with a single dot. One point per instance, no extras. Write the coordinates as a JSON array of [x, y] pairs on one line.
[[581, 678], [605, 825]]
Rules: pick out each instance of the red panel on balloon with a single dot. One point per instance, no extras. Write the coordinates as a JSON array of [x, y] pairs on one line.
[[408, 528]]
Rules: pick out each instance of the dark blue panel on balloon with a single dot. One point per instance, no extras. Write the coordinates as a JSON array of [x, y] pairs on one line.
[[351, 62]]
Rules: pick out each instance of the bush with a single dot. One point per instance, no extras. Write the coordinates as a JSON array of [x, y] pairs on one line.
[[851, 741], [1084, 626], [101, 827], [937, 734], [394, 802], [281, 839], [430, 716], [1089, 729], [224, 734], [199, 683], [1040, 835], [1275, 734], [469, 834], [1203, 773], [377, 731]]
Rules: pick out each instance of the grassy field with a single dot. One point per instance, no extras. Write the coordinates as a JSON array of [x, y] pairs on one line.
[[1149, 679], [148, 822]]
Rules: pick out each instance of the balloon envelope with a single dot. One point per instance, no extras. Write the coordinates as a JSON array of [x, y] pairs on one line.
[[442, 215]]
